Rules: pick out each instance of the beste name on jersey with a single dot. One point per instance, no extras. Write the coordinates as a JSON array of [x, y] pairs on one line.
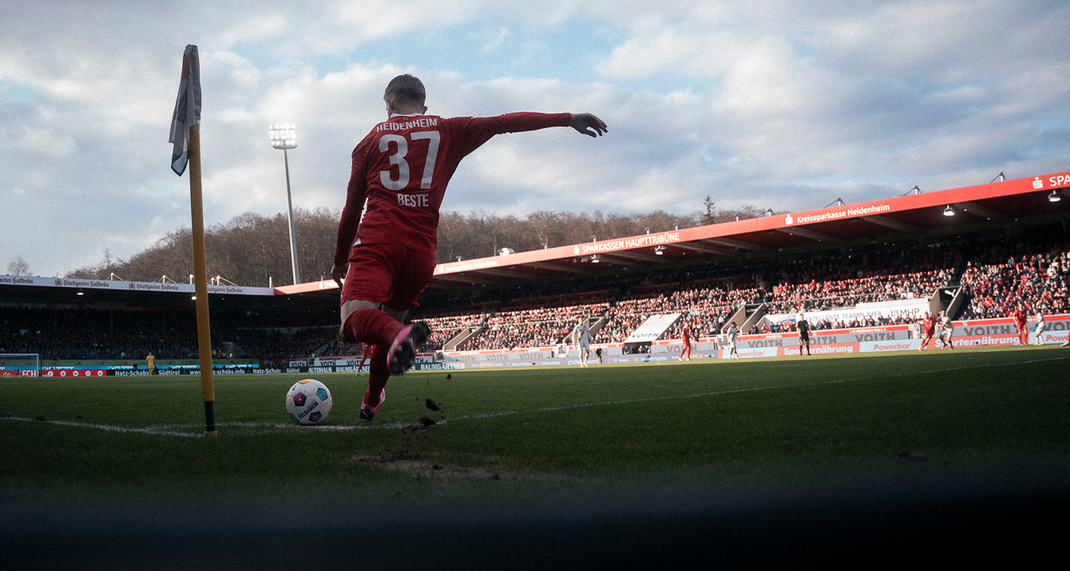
[[414, 200]]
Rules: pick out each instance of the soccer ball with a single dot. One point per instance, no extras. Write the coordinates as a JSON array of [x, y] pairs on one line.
[[308, 402]]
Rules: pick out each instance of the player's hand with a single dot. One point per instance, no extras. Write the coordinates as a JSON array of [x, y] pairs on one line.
[[588, 124], [338, 273]]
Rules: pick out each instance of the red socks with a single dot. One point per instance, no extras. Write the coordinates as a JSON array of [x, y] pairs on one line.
[[378, 374], [377, 329], [371, 326]]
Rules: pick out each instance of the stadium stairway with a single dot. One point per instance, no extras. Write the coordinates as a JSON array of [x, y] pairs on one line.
[[599, 322], [463, 335], [748, 315]]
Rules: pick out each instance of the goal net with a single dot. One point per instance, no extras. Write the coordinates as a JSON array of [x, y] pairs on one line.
[[20, 365]]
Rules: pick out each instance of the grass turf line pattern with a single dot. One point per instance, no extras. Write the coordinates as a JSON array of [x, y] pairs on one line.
[[258, 428]]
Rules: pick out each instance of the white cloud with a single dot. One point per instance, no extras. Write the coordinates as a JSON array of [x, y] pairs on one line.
[[41, 140], [494, 42], [772, 102], [261, 25]]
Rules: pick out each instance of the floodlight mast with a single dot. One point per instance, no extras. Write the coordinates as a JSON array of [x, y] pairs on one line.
[[285, 137]]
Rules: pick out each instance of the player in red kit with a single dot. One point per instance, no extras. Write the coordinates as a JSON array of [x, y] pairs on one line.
[[1020, 325], [928, 325], [400, 172], [685, 339], [365, 352]]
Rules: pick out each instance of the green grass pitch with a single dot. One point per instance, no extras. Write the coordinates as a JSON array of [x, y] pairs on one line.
[[564, 444], [700, 419]]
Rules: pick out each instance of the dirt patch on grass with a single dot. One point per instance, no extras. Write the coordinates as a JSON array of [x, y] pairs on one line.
[[405, 458], [422, 469]]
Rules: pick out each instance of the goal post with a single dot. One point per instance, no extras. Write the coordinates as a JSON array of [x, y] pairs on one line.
[[20, 365]]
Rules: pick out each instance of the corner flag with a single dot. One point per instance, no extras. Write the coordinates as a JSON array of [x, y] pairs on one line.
[[187, 109], [186, 136]]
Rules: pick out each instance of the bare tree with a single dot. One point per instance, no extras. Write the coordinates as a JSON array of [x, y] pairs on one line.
[[710, 215], [253, 250], [18, 267], [103, 270], [544, 227]]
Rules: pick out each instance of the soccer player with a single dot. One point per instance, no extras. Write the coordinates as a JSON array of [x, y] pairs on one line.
[[400, 171], [928, 326], [1020, 324], [150, 360], [803, 326], [1041, 326], [365, 352], [583, 339], [947, 330], [685, 340], [733, 340]]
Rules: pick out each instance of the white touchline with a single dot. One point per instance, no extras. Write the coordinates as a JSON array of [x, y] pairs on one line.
[[267, 427], [173, 430], [105, 427]]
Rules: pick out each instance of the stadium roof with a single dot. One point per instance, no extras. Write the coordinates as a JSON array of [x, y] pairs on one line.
[[1010, 203], [916, 214]]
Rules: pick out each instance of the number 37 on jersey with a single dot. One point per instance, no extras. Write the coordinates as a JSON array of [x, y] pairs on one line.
[[406, 161]]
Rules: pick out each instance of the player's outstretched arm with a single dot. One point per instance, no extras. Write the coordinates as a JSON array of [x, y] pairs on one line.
[[588, 124]]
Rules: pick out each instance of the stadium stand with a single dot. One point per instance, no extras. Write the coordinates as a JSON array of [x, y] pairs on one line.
[[995, 282], [1037, 280], [997, 261]]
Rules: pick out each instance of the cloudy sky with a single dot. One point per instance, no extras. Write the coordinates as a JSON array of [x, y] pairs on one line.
[[783, 104]]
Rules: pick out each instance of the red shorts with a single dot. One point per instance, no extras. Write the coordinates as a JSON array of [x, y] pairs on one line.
[[389, 274]]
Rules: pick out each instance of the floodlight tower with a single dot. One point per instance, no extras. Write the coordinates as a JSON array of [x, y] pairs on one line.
[[285, 137]]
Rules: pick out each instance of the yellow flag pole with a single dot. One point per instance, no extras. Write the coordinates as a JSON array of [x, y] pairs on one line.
[[200, 277]]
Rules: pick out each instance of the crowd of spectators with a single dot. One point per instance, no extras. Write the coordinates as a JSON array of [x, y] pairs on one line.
[[704, 310], [1037, 281], [91, 335], [788, 326], [533, 327], [790, 297], [997, 278]]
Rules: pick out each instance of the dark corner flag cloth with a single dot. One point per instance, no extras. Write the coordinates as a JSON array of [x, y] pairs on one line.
[[187, 109]]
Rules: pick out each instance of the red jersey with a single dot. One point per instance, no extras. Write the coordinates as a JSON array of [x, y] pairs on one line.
[[401, 170], [1019, 317]]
